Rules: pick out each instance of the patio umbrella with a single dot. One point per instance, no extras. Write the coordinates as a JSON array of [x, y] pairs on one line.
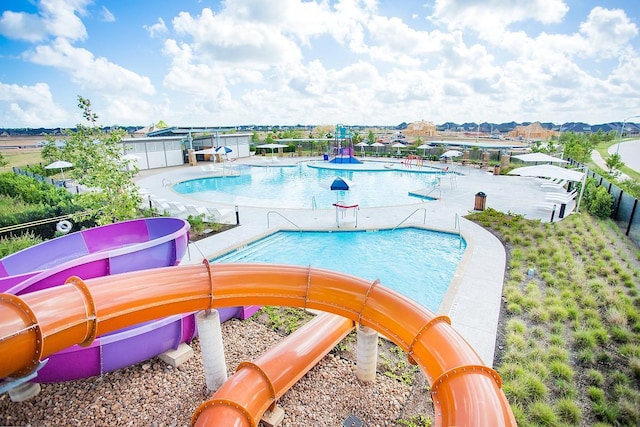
[[425, 147], [59, 164], [398, 145], [538, 157], [362, 145], [451, 153], [223, 149], [340, 184], [377, 144]]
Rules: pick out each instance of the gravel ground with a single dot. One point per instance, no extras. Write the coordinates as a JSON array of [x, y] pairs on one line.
[[155, 394]]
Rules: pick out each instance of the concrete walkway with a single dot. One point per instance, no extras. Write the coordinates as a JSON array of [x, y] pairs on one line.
[[474, 297]]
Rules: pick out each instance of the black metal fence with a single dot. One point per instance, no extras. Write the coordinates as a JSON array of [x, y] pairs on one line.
[[625, 206], [68, 185]]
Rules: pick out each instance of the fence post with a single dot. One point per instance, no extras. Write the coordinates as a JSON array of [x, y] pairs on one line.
[[633, 212]]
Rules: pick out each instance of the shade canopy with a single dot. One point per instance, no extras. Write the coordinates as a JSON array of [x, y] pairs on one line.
[[362, 144], [451, 153], [271, 146], [538, 157], [548, 171], [206, 151], [340, 183], [425, 146]]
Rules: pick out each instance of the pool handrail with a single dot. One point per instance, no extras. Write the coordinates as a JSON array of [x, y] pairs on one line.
[[456, 226], [424, 219], [284, 217]]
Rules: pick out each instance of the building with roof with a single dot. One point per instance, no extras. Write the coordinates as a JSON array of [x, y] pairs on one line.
[[533, 131]]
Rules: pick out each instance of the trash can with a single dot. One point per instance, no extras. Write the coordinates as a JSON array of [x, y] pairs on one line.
[[481, 200], [326, 157], [496, 170]]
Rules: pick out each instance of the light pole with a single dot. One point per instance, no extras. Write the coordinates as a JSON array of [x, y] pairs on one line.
[[622, 130]]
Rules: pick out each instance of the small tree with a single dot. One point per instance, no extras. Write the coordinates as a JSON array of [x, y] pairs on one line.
[[3, 161], [98, 163], [614, 163], [371, 137]]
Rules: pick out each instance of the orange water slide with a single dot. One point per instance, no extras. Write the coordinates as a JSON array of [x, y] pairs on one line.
[[255, 387], [35, 325]]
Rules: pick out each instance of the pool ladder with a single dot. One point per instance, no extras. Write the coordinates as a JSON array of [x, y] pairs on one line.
[[314, 204], [283, 217], [424, 219]]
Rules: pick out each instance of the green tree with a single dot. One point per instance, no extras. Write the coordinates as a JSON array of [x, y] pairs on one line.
[[3, 161], [371, 137], [98, 162], [255, 137], [578, 146], [614, 163]]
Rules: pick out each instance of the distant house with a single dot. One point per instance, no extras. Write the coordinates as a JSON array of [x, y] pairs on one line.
[[420, 129], [534, 131]]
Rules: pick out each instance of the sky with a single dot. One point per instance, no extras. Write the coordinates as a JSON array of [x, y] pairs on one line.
[[287, 62]]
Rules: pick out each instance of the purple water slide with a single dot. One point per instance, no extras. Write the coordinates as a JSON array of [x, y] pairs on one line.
[[135, 245]]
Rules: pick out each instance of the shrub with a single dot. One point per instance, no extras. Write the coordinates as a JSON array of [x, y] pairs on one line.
[[600, 203]]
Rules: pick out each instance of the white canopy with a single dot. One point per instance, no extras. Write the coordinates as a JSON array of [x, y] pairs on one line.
[[538, 157], [548, 171]]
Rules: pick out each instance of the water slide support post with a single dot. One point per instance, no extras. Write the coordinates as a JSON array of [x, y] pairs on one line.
[[366, 354], [210, 332]]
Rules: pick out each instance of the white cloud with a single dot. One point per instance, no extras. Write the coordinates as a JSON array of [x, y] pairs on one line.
[[608, 31], [487, 15], [88, 71], [107, 16], [157, 29], [21, 26], [30, 106], [56, 18]]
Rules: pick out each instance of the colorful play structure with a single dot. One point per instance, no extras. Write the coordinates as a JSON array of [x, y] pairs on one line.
[[37, 325]]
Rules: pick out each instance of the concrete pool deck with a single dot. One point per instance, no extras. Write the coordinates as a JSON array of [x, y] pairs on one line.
[[475, 295]]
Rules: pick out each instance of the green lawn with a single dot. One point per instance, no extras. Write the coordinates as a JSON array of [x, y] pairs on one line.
[[603, 150]]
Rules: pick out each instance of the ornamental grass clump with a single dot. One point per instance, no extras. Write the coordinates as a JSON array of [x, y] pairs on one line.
[[569, 351]]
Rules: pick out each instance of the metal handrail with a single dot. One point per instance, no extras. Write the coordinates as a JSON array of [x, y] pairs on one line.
[[284, 217], [424, 219], [314, 204], [456, 225]]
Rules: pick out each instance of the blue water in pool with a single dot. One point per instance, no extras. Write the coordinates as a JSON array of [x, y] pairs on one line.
[[416, 263], [298, 187]]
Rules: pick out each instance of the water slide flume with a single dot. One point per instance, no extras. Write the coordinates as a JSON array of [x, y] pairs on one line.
[[255, 387], [38, 324], [115, 248]]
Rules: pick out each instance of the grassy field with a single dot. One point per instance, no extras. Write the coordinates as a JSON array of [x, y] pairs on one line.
[[21, 157], [568, 345]]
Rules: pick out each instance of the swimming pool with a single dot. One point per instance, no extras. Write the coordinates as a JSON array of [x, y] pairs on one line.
[[418, 263], [302, 186]]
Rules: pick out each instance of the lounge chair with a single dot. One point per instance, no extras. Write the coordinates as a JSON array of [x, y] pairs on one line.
[[555, 185], [561, 197], [547, 206]]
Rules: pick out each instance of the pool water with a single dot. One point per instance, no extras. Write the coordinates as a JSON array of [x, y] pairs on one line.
[[417, 263], [305, 187]]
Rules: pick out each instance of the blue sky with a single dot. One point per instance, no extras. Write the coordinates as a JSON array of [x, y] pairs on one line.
[[212, 63]]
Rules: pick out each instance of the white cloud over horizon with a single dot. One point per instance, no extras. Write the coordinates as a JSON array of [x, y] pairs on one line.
[[321, 62]]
